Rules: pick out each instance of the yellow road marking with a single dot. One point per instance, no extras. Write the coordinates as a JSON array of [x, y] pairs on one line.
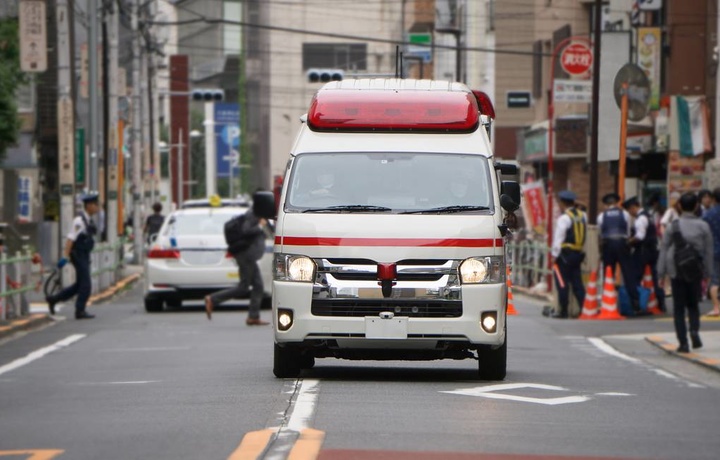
[[307, 447], [252, 445], [47, 454]]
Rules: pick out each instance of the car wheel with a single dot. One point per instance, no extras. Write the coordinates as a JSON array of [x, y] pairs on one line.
[[153, 305], [307, 361], [492, 363], [266, 303], [174, 303], [286, 362]]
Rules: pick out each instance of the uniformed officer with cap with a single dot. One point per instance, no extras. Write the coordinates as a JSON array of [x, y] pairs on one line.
[[567, 250], [614, 225], [78, 245], [644, 245]]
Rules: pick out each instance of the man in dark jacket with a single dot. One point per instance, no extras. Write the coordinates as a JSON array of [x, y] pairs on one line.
[[251, 282], [686, 292]]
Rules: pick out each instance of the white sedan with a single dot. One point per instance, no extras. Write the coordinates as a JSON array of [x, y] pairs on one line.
[[188, 260]]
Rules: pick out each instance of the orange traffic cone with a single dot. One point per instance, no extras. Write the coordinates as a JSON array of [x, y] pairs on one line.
[[510, 304], [647, 282], [609, 308], [590, 306]]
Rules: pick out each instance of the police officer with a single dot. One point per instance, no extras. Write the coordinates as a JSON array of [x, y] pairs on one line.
[[567, 250], [614, 225], [644, 244], [79, 244]]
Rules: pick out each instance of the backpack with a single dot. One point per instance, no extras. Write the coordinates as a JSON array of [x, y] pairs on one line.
[[688, 262], [235, 238]]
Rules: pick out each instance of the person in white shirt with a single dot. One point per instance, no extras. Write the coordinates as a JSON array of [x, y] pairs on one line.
[[568, 252], [645, 249]]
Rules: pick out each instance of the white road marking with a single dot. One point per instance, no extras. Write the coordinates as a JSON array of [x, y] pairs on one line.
[[489, 392], [41, 307], [37, 354], [304, 407], [603, 346], [131, 382], [612, 393]]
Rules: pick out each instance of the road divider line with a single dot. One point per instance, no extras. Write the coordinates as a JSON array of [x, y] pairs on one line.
[[45, 454], [37, 354], [307, 447], [304, 406], [252, 445], [604, 347]]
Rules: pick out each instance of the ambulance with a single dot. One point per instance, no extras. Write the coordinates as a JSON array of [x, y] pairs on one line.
[[390, 230]]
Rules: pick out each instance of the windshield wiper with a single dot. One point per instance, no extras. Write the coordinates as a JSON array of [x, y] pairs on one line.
[[350, 208], [448, 209]]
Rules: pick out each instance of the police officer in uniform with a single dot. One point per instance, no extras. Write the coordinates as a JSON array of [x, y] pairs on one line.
[[79, 244], [567, 250], [614, 225], [644, 244]]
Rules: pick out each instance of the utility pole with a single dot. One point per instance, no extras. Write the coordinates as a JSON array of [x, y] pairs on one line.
[[146, 150], [137, 187], [594, 129], [66, 126], [93, 84], [113, 138]]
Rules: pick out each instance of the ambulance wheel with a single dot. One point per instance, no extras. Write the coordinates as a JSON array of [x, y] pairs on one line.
[[492, 363], [307, 361], [286, 362], [174, 303], [153, 305]]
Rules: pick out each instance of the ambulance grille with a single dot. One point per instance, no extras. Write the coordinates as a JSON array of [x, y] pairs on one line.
[[372, 307]]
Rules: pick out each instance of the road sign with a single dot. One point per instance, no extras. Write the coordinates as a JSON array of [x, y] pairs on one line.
[[33, 36], [638, 90], [519, 99], [576, 58], [572, 91], [420, 46]]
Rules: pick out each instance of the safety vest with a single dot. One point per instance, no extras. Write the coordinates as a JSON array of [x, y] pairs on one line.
[[614, 225], [575, 235], [83, 245]]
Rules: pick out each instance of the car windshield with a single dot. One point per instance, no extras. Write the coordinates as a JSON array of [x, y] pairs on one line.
[[389, 182], [197, 224]]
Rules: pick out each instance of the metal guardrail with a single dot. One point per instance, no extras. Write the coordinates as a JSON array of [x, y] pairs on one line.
[[18, 276], [529, 262]]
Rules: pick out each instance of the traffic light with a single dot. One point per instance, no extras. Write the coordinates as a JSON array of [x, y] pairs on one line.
[[325, 75], [208, 95]]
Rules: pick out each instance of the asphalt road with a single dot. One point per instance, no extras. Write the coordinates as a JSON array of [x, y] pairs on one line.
[[132, 385]]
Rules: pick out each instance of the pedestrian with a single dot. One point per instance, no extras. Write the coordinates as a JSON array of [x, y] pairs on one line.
[[686, 277], [251, 282], [705, 198], [655, 208], [568, 252], [78, 246], [644, 246], [712, 217], [153, 223], [672, 212], [614, 225]]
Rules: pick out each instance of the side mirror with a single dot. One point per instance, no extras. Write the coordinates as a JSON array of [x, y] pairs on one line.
[[508, 204], [264, 205], [512, 189], [507, 169]]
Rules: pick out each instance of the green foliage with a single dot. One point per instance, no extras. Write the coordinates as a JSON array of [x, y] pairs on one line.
[[10, 78]]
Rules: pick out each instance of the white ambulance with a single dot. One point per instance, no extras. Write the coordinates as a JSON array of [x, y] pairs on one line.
[[390, 231]]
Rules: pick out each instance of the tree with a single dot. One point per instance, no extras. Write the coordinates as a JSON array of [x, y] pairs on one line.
[[10, 78]]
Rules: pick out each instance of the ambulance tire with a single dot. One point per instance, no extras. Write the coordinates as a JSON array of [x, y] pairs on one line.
[[286, 362], [153, 305], [307, 361], [492, 363]]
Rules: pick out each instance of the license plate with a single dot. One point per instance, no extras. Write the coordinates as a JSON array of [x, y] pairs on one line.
[[385, 328]]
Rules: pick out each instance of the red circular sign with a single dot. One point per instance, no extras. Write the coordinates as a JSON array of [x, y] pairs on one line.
[[576, 59]]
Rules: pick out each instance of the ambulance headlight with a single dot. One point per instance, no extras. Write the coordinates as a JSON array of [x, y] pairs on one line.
[[482, 270], [294, 268]]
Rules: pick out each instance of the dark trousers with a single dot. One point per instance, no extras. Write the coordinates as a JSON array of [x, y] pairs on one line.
[[642, 258], [617, 252], [569, 267], [82, 285], [686, 296], [250, 284]]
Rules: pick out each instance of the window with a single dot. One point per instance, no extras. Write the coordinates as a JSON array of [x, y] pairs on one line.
[[346, 56]]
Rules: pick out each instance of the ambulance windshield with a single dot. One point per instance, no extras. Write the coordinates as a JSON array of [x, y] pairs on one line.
[[390, 182]]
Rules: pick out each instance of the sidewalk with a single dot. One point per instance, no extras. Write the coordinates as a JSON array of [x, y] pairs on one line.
[[708, 355], [39, 310]]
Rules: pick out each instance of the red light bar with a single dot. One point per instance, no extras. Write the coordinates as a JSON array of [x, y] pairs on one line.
[[157, 253], [371, 110], [486, 105]]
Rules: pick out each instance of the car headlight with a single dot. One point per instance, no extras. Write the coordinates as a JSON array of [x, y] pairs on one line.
[[482, 270], [294, 268]]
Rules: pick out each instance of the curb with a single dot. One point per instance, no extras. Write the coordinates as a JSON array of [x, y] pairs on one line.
[[669, 348], [35, 320], [529, 293], [8, 328]]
